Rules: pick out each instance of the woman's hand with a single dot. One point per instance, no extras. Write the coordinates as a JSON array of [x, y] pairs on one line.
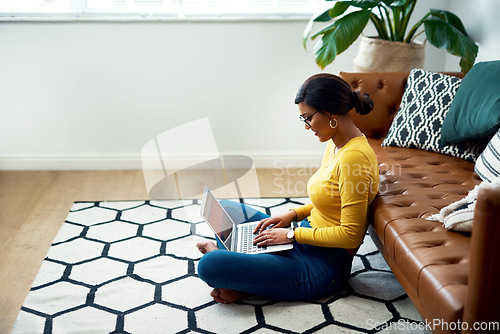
[[272, 236], [272, 231], [282, 220]]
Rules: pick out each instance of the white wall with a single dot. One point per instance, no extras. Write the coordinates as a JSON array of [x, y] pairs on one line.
[[83, 95], [480, 17], [75, 93]]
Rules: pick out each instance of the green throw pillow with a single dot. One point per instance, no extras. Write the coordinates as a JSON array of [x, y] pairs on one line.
[[475, 111]]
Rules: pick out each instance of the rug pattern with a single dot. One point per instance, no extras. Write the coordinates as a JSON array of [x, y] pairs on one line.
[[130, 267]]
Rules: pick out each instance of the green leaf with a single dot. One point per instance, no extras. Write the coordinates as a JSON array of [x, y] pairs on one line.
[[451, 18], [363, 4], [325, 30], [338, 9], [323, 17], [339, 36], [350, 27], [351, 22], [325, 50], [306, 33], [380, 26], [443, 35], [397, 3], [466, 64], [406, 13]]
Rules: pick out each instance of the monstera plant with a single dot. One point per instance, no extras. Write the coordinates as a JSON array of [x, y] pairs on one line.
[[391, 20]]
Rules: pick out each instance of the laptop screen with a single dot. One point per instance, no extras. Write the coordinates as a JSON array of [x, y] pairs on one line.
[[217, 218]]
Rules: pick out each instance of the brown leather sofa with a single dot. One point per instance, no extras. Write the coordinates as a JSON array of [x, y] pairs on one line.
[[452, 278]]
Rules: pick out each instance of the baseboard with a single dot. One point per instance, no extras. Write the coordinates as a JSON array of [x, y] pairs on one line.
[[70, 163], [268, 160]]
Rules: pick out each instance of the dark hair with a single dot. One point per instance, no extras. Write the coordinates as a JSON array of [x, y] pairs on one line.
[[330, 93]]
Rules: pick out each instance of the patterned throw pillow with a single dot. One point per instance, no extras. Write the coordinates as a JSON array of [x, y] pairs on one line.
[[488, 164], [417, 124]]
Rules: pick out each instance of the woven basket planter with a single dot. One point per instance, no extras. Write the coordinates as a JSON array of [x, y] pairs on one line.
[[378, 55]]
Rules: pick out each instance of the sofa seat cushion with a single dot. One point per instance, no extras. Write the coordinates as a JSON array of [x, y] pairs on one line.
[[443, 290], [415, 184]]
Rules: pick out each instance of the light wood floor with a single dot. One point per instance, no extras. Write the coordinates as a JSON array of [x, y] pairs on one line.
[[34, 204]]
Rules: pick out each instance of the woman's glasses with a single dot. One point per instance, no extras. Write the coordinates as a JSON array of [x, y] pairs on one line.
[[308, 118]]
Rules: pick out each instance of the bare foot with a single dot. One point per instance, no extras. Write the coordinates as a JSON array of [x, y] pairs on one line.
[[206, 246], [227, 296]]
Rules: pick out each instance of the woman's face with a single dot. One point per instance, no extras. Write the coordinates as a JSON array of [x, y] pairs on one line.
[[319, 123]]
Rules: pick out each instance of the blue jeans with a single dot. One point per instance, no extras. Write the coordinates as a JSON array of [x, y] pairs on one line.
[[303, 273]]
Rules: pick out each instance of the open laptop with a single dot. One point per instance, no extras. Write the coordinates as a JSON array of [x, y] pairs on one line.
[[236, 238]]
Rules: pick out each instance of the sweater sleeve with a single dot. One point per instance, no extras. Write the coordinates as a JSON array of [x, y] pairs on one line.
[[303, 211]]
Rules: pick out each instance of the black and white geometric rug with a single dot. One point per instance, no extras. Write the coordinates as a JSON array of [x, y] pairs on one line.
[[130, 267]]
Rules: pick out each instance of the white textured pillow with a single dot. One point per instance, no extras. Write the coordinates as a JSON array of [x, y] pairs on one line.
[[459, 216], [488, 164]]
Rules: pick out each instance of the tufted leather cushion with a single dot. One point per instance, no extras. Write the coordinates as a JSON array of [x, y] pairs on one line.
[[386, 90], [434, 262]]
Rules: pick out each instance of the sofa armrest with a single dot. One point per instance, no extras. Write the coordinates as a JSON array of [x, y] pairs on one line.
[[484, 276]]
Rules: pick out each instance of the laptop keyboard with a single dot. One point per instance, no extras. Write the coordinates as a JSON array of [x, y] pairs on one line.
[[246, 236]]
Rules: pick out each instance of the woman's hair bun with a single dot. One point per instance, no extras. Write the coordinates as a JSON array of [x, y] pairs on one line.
[[362, 102]]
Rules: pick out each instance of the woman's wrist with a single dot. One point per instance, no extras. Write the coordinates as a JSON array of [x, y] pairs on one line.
[[291, 234]]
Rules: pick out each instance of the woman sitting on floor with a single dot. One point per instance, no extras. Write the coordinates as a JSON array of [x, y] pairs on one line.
[[332, 226]]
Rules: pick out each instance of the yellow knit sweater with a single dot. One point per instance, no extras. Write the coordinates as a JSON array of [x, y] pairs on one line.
[[340, 193]]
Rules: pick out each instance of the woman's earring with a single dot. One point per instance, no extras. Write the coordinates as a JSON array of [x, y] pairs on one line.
[[336, 123]]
